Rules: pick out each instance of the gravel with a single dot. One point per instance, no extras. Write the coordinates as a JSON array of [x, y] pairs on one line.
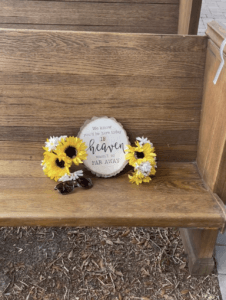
[[98, 263]]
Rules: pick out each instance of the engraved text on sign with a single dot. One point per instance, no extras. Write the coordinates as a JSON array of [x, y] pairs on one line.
[[106, 140]]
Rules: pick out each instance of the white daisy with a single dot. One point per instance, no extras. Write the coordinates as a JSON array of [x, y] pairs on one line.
[[144, 168], [77, 174], [43, 165], [52, 143], [71, 176], [65, 177], [142, 141], [62, 137]]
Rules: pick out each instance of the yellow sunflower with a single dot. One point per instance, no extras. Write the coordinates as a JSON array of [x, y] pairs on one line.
[[74, 149], [142, 173], [138, 178], [55, 167], [140, 153]]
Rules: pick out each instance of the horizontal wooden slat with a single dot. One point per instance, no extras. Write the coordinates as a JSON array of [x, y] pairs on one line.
[[29, 81], [125, 29], [75, 43], [84, 12], [25, 115], [160, 136], [157, 16], [17, 105], [100, 54], [32, 169], [176, 197], [109, 1], [173, 65], [22, 97], [33, 151], [122, 16], [151, 84], [26, 142], [30, 93]]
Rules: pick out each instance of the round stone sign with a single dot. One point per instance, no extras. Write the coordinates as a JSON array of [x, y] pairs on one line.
[[106, 141]]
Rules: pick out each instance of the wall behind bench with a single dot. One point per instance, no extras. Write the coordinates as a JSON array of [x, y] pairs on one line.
[[153, 16]]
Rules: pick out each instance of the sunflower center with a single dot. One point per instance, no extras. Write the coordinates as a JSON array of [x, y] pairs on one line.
[[60, 164], [139, 155], [71, 151]]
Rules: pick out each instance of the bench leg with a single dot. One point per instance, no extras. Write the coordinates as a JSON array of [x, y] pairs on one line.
[[199, 244]]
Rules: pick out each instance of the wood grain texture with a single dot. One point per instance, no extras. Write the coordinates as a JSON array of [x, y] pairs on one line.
[[176, 197], [24, 115], [33, 151], [199, 244], [117, 29], [109, 1], [164, 137], [213, 120], [203, 241], [185, 9], [220, 185], [29, 81], [151, 84], [216, 33], [93, 54], [29, 141], [189, 14], [115, 16]]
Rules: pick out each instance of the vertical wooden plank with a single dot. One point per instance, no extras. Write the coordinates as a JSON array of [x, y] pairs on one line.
[[212, 134], [185, 9], [189, 14], [220, 187], [199, 245]]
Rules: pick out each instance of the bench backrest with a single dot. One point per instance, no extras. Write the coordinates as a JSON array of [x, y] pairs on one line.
[[51, 82], [150, 16]]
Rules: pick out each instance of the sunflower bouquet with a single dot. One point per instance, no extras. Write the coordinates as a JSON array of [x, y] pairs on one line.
[[143, 158], [60, 153]]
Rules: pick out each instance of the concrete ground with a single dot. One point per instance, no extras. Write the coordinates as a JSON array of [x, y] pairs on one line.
[[216, 10], [220, 256], [212, 10]]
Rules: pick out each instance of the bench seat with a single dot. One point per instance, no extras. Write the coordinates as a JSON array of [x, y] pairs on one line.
[[177, 197]]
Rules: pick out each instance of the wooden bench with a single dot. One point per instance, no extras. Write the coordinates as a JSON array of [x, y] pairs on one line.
[[156, 86], [148, 16]]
